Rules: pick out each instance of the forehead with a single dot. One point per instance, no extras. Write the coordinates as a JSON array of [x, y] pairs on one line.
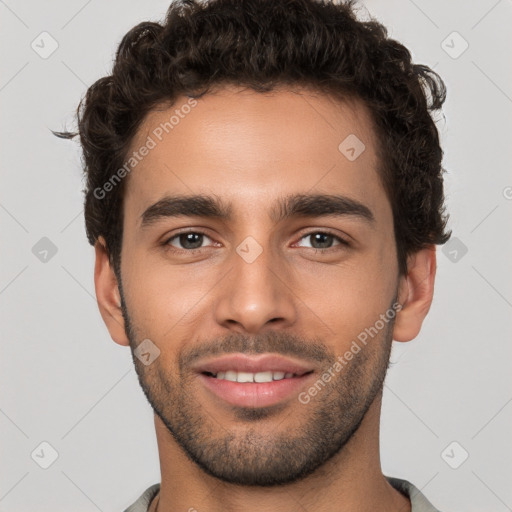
[[248, 147]]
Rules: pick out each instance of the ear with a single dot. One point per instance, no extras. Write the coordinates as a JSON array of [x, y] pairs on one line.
[[416, 290], [107, 294]]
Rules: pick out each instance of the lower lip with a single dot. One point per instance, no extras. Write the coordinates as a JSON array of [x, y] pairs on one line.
[[255, 394]]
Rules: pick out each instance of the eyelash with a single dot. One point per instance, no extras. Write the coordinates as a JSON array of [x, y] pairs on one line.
[[169, 247]]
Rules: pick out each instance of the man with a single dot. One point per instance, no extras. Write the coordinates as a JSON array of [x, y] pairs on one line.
[[264, 195]]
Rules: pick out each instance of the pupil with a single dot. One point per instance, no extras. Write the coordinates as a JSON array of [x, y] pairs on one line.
[[189, 237], [318, 236], [187, 240]]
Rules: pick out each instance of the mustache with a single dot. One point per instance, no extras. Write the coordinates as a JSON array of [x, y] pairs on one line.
[[281, 343]]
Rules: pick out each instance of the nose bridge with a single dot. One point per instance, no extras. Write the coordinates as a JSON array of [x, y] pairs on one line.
[[255, 292]]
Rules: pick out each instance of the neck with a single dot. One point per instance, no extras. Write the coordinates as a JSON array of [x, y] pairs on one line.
[[350, 481]]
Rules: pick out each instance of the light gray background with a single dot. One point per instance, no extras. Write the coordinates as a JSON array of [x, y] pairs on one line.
[[65, 382]]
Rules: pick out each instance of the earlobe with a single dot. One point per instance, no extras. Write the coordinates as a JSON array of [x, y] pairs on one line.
[[107, 294], [415, 294]]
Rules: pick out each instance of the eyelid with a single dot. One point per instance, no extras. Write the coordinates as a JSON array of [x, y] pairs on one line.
[[184, 231], [310, 231], [344, 240]]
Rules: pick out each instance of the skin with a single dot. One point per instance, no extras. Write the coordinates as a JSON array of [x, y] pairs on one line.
[[249, 149]]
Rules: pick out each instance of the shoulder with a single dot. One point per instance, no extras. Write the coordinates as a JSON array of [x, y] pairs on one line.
[[142, 503], [419, 502]]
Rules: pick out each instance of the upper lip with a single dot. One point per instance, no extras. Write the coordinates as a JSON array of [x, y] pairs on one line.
[[243, 363]]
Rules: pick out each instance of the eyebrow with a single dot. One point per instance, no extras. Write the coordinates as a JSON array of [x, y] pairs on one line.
[[297, 205]]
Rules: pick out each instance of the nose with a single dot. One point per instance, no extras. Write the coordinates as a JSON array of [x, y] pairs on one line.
[[256, 295]]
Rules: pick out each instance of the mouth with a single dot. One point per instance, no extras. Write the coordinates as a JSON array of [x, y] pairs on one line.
[[266, 376], [254, 382]]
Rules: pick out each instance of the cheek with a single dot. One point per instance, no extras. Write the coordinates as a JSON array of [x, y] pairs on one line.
[[356, 296], [164, 298], [357, 306]]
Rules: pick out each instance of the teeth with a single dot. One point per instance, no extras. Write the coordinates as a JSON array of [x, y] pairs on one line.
[[268, 376], [230, 375], [245, 377], [263, 377]]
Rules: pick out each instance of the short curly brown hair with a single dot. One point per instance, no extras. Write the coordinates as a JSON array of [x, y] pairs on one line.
[[262, 44]]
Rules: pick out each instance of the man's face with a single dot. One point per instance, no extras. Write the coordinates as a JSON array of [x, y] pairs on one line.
[[301, 286]]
